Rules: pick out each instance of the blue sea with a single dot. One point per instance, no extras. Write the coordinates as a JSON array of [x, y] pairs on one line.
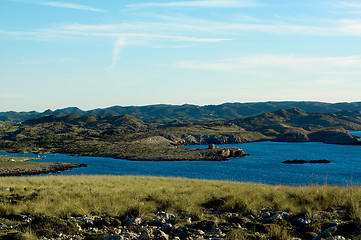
[[262, 166]]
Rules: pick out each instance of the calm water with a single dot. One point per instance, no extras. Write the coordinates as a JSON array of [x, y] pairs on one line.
[[262, 166]]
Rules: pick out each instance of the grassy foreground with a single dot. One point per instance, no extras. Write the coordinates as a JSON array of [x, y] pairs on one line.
[[121, 198]]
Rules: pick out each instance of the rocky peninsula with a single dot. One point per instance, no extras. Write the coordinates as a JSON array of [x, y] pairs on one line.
[[20, 166], [211, 154], [39, 169]]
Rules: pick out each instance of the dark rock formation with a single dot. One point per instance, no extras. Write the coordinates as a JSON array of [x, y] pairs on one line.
[[334, 137], [301, 161]]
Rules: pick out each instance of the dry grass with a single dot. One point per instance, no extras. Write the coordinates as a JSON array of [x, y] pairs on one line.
[[128, 196]]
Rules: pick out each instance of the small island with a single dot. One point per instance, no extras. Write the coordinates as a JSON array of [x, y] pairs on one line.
[[301, 161]]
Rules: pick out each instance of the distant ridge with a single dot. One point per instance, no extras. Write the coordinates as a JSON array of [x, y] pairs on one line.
[[187, 112]]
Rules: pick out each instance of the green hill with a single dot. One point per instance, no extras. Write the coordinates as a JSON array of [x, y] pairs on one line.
[[128, 137], [188, 112]]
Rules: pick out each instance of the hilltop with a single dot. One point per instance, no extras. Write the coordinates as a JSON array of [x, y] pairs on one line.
[[187, 112], [128, 137]]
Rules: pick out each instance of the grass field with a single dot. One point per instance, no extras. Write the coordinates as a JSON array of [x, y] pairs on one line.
[[125, 197]]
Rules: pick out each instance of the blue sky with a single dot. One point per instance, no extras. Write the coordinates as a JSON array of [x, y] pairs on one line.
[[96, 54]]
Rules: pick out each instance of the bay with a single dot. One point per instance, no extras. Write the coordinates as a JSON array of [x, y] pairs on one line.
[[262, 166]]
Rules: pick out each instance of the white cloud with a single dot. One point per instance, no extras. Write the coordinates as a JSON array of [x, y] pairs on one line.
[[184, 26], [71, 6], [133, 39], [94, 27], [345, 4], [350, 27], [187, 30], [273, 61], [344, 7], [9, 95], [61, 5], [204, 3], [118, 46]]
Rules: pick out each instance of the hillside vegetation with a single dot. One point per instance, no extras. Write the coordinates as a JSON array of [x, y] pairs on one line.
[[128, 137], [295, 125], [188, 112]]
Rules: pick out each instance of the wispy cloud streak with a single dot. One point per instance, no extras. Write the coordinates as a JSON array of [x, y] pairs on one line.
[[205, 3], [71, 6], [61, 5], [348, 7], [118, 46], [274, 61]]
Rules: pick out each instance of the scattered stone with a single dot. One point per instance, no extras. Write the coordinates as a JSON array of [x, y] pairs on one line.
[[147, 234], [325, 233], [134, 221], [303, 222], [161, 235], [275, 216], [87, 220], [164, 227], [165, 215], [113, 237], [337, 238], [27, 218]]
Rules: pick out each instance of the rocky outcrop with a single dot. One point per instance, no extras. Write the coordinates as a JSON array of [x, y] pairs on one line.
[[301, 161], [215, 154], [332, 136], [225, 153]]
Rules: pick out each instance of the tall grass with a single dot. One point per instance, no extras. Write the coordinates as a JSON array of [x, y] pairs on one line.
[[131, 196]]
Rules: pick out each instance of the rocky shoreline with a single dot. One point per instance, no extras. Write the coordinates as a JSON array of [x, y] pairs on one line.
[[211, 154], [41, 169]]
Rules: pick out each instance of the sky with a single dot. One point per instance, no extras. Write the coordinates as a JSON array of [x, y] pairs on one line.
[[96, 54]]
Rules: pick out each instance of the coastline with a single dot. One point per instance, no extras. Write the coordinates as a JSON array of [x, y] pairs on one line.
[[20, 166]]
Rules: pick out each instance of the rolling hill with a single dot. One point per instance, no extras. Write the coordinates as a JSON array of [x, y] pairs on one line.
[[187, 112]]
